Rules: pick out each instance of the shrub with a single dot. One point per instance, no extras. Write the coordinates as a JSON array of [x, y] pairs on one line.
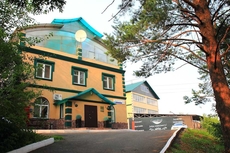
[[213, 126], [13, 137]]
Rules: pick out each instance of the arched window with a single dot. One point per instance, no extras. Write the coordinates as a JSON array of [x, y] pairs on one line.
[[41, 108]]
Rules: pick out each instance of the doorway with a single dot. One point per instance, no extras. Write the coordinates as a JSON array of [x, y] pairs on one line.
[[90, 116]]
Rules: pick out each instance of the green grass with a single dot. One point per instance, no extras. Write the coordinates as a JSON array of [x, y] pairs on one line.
[[57, 137], [196, 141]]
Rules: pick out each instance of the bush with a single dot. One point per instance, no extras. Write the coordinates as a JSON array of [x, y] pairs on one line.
[[13, 137], [213, 126]]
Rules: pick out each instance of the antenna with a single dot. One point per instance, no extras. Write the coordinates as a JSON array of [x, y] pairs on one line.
[[80, 35]]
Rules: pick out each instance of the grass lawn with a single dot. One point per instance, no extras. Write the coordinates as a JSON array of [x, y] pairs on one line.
[[195, 141]]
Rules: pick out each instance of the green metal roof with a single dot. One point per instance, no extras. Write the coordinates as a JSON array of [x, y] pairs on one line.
[[81, 20], [131, 87], [77, 97]]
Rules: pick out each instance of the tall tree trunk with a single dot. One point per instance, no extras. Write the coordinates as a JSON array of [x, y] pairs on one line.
[[215, 67], [222, 96]]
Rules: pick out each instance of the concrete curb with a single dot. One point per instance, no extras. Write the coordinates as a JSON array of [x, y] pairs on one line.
[[79, 131], [33, 146], [169, 142]]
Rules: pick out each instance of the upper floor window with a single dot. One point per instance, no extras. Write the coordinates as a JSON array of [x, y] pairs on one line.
[[138, 98], [139, 110], [108, 81], [41, 108], [152, 111], [79, 76], [44, 69], [151, 101]]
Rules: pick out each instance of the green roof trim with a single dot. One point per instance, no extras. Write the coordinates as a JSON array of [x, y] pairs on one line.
[[81, 20], [131, 87], [77, 97]]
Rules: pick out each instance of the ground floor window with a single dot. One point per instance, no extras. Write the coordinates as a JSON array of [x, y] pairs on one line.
[[41, 108]]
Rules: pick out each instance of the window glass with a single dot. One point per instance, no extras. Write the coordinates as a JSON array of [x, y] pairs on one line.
[[41, 107], [44, 71], [138, 98], [108, 82], [47, 71], [39, 70], [62, 111], [152, 111], [105, 82], [82, 77], [79, 77], [139, 110]]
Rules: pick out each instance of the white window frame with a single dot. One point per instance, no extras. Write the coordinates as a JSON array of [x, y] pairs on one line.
[[139, 110], [77, 74], [108, 82], [62, 111], [43, 67], [41, 103]]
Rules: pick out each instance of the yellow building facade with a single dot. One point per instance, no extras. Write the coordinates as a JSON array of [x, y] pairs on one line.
[[140, 99], [81, 86]]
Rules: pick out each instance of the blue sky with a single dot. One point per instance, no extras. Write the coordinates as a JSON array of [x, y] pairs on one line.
[[170, 87]]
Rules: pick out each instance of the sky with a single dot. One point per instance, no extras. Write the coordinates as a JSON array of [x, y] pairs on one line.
[[170, 87]]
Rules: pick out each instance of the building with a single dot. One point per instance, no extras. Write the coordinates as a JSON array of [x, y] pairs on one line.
[[77, 79], [143, 113], [141, 99]]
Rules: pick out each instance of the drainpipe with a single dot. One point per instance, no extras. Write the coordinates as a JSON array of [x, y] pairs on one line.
[[114, 115]]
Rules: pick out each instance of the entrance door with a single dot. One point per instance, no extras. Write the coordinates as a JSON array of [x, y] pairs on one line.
[[90, 116]]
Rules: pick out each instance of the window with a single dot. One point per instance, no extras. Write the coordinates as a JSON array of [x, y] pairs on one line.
[[152, 111], [44, 69], [139, 110], [108, 81], [79, 76], [138, 98], [62, 111], [41, 107], [151, 101]]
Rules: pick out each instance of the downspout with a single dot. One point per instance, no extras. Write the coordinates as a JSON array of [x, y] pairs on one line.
[[114, 115]]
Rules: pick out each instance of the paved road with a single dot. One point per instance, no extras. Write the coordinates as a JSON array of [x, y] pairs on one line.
[[110, 142]]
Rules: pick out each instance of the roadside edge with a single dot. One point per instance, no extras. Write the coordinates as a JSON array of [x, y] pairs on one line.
[[169, 142], [33, 146]]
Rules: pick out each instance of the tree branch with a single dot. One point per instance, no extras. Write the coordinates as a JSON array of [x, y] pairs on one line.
[[190, 3], [108, 6], [216, 12], [120, 10], [190, 63], [182, 24]]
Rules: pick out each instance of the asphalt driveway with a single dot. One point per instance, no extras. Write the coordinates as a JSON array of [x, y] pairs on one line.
[[110, 142]]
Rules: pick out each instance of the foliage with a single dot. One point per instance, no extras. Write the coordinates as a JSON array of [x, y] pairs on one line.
[[13, 138], [212, 125], [39, 6], [161, 32], [16, 75], [11, 17], [191, 140], [57, 137], [17, 71]]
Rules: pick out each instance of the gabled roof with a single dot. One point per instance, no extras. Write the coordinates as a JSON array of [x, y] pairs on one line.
[[77, 97], [81, 20], [131, 87]]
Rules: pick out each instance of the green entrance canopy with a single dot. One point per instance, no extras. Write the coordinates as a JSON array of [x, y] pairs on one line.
[[77, 97]]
